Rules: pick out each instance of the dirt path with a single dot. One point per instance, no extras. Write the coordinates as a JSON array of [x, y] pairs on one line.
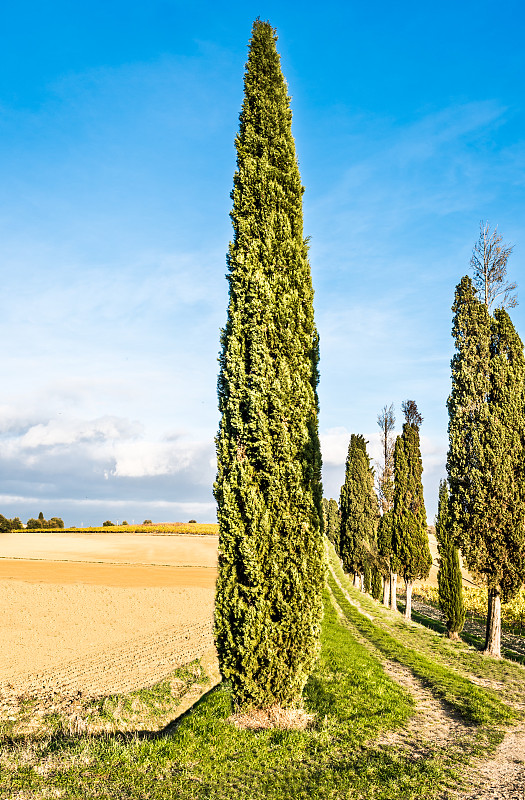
[[503, 776], [435, 725]]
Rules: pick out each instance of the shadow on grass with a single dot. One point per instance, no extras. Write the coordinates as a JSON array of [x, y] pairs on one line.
[[61, 738], [469, 638]]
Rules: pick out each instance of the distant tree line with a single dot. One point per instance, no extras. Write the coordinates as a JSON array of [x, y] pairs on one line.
[[7, 525], [16, 524]]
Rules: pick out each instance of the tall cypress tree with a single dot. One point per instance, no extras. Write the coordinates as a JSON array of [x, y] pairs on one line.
[[386, 421], [486, 450], [359, 512], [333, 522], [387, 560], [268, 489], [450, 581], [410, 537]]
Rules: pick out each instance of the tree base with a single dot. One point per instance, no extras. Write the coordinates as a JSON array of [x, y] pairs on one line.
[[453, 635], [490, 654], [259, 719]]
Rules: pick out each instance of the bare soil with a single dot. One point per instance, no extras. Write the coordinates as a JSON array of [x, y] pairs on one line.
[[70, 624], [115, 548]]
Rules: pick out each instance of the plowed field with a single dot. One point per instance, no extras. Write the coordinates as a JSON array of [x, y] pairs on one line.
[[101, 613]]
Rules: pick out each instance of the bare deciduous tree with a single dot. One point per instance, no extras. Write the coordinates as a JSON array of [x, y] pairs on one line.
[[489, 268], [385, 472], [385, 483]]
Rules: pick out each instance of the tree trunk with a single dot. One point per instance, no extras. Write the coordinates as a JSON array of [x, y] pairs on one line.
[[408, 605], [393, 591], [493, 636], [356, 580], [454, 635], [361, 582], [386, 591]]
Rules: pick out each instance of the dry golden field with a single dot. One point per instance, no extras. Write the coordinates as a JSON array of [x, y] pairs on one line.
[[102, 613]]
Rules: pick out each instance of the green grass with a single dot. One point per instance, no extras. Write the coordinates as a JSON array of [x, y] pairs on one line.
[[476, 641], [507, 676], [475, 705], [343, 756], [206, 757]]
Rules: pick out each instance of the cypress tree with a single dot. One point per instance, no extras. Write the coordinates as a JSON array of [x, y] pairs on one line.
[[359, 512], [386, 421], [486, 450], [333, 523], [410, 538], [450, 581], [376, 582], [386, 559], [268, 489], [324, 519]]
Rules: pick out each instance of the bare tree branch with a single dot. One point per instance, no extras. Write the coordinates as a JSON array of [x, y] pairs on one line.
[[489, 267], [385, 472]]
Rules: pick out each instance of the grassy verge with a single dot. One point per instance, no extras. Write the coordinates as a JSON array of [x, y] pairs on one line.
[[476, 641], [507, 677], [206, 757], [473, 703]]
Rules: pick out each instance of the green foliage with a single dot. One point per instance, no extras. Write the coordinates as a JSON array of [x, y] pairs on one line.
[[409, 536], [7, 525], [487, 442], [42, 523], [332, 522], [108, 524], [450, 581], [268, 488], [386, 558], [359, 511], [376, 583]]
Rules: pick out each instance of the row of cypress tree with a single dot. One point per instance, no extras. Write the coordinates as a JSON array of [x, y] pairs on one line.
[[376, 548], [486, 458], [271, 564]]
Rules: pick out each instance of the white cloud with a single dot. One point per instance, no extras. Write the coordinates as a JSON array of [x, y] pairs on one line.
[[150, 458], [66, 432]]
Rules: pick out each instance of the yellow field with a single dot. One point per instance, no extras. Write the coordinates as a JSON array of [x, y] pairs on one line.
[[193, 528]]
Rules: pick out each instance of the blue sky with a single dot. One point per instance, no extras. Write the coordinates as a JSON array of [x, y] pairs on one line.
[[117, 123]]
